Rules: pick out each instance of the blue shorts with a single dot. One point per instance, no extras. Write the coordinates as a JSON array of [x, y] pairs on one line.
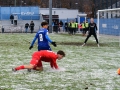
[[44, 48]]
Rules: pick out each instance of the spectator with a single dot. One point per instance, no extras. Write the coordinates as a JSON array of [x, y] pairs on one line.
[[66, 26], [84, 28], [61, 26], [76, 27], [70, 27], [73, 27], [15, 19], [53, 25], [26, 27], [56, 25], [80, 27], [11, 18], [32, 26]]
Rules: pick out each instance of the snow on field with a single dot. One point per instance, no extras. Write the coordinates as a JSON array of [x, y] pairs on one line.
[[54, 70], [83, 68]]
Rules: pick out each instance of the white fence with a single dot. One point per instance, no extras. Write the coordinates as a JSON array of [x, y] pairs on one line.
[[6, 24]]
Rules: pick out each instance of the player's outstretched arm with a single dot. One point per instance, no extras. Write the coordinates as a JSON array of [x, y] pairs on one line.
[[53, 43], [31, 46]]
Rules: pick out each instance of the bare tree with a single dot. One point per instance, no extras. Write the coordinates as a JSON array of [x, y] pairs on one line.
[[89, 8], [81, 5]]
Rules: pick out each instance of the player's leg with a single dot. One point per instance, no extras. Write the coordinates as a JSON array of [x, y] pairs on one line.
[[95, 36], [89, 35], [33, 62], [23, 67], [39, 66]]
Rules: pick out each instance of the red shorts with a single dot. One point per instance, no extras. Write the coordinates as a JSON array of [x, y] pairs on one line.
[[36, 62]]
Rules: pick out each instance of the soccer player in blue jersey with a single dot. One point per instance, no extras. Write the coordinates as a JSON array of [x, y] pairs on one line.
[[43, 38]]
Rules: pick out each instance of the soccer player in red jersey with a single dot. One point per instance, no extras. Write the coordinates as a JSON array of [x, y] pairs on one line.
[[43, 55]]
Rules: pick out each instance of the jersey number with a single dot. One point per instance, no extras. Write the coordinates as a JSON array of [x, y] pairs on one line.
[[41, 37]]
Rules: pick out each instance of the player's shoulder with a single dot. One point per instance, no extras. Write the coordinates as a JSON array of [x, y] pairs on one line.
[[40, 30], [46, 30], [51, 52], [95, 24], [48, 52], [90, 23]]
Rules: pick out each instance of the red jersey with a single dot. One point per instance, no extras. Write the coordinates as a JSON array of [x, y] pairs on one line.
[[46, 56]]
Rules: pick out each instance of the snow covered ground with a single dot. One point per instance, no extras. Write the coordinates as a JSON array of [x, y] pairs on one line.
[[89, 67]]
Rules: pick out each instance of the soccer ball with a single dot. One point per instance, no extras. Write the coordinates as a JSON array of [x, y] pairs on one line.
[[118, 71]]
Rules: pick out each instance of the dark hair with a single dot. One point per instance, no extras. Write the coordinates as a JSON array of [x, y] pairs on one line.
[[44, 23], [61, 53]]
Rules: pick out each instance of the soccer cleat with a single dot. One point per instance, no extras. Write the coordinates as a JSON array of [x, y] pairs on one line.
[[29, 70], [14, 70], [98, 45], [83, 44]]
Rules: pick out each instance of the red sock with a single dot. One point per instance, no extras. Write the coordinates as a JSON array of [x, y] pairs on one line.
[[20, 67]]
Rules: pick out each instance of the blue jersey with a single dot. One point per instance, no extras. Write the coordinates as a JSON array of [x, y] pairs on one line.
[[43, 39]]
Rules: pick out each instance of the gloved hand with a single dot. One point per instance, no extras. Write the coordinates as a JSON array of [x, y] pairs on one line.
[[54, 44], [30, 47]]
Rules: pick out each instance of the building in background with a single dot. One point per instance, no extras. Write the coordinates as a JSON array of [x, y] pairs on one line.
[[61, 13]]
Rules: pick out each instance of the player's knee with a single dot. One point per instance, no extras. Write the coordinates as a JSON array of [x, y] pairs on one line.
[[31, 67], [39, 68]]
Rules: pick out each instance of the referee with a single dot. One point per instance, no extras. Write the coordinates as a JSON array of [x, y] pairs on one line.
[[92, 28]]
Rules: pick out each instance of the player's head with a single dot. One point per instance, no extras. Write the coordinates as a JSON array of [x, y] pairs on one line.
[[60, 54], [91, 20], [44, 24]]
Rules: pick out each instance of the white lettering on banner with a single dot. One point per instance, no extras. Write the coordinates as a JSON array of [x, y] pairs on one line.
[[115, 27], [27, 13], [104, 25]]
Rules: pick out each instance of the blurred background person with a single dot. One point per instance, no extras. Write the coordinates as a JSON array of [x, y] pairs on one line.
[[11, 18], [66, 26], [32, 26], [56, 26], [26, 27], [15, 19], [61, 26]]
